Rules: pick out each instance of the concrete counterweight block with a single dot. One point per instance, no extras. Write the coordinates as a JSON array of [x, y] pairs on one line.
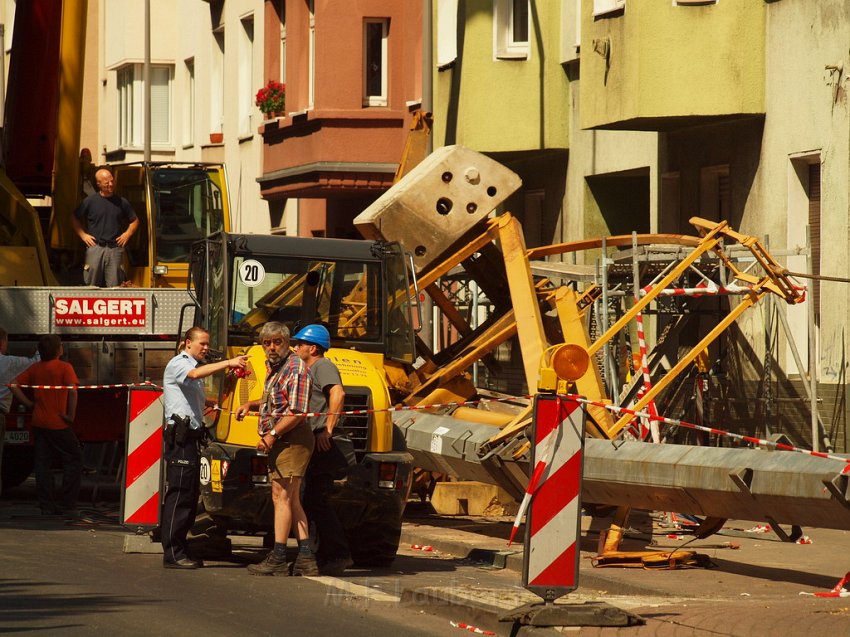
[[437, 202]]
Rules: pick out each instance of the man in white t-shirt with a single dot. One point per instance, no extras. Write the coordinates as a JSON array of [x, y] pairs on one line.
[[10, 367]]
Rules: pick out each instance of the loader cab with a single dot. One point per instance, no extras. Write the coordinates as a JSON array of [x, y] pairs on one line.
[[177, 205], [359, 289]]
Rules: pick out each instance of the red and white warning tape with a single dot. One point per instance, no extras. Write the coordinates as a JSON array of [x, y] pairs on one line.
[[115, 386], [472, 629], [652, 417], [718, 432], [839, 590], [647, 383]]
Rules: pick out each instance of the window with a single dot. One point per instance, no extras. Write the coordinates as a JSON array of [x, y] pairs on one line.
[[375, 62], [126, 103], [131, 105], [602, 7], [189, 102], [246, 83], [510, 24], [217, 82], [344, 295], [715, 192], [186, 205], [282, 14]]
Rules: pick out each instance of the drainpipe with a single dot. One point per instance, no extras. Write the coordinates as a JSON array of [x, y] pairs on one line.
[[427, 61], [3, 73], [427, 332], [146, 79]]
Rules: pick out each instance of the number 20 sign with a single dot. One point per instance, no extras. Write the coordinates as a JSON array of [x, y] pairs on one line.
[[251, 273]]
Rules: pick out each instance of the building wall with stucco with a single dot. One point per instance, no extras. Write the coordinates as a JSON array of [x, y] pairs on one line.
[[215, 53]]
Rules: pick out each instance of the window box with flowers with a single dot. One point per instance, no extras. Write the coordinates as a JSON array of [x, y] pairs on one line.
[[271, 99]]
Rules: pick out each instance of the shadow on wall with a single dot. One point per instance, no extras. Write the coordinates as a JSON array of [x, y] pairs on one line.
[[714, 168], [622, 200]]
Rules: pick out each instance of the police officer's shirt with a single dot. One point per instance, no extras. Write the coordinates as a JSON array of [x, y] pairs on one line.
[[183, 396]]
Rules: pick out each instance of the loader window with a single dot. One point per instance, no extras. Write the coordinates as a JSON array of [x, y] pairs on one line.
[[186, 207], [400, 342], [345, 296], [215, 300], [137, 251]]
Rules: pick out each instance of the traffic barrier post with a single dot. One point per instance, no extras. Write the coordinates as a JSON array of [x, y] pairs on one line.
[[140, 495]]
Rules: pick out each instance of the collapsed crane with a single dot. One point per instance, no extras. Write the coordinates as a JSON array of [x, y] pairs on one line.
[[441, 213]]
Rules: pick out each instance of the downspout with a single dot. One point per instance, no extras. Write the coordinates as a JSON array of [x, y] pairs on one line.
[[427, 331]]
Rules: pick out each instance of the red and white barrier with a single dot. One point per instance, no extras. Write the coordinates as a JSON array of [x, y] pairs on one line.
[[551, 555], [141, 494]]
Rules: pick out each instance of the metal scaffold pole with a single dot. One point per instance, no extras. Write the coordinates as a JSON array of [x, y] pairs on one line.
[[813, 357]]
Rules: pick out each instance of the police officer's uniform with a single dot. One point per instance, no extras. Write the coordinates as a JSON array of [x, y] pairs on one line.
[[184, 399]]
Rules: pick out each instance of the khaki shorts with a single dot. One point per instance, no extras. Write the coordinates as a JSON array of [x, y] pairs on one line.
[[290, 455]]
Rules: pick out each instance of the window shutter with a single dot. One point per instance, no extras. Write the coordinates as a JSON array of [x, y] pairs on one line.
[[814, 233], [160, 107]]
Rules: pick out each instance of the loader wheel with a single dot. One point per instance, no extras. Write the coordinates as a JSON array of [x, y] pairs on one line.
[[374, 545]]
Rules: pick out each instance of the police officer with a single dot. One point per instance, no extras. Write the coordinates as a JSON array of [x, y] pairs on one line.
[[183, 392]]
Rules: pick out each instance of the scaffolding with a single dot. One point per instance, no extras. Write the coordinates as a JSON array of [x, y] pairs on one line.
[[697, 297]]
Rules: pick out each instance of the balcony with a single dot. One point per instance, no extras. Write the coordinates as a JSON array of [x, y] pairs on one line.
[[318, 153], [659, 66]]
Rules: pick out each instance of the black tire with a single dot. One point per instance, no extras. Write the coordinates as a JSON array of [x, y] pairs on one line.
[[374, 544], [18, 462]]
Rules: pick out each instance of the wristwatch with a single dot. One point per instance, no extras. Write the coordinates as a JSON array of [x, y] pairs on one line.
[[272, 432]]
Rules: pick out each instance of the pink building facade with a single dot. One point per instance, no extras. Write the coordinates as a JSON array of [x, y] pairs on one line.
[[352, 70]]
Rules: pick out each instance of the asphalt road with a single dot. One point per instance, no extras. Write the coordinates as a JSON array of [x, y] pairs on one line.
[[66, 578], [77, 579]]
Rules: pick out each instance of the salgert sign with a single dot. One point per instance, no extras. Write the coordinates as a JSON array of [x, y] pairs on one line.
[[100, 312]]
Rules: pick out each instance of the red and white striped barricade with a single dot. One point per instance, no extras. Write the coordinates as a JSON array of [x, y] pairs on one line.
[[552, 529], [140, 497]]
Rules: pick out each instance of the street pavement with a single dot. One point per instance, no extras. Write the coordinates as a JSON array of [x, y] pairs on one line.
[[757, 585], [453, 574]]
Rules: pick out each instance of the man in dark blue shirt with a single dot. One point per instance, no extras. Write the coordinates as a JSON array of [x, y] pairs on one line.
[[105, 223]]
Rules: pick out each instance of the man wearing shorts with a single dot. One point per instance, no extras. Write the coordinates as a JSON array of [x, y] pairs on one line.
[[288, 440]]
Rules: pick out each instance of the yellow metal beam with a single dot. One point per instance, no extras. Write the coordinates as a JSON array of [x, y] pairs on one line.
[[431, 275], [613, 242], [523, 296], [66, 194], [500, 331], [448, 309], [590, 385]]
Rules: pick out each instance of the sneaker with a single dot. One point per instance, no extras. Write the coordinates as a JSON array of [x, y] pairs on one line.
[[336, 567], [305, 565], [272, 565]]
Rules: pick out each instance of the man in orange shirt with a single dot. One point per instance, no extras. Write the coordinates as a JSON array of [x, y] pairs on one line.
[[53, 414]]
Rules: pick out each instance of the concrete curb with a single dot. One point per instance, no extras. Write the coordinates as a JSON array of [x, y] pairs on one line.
[[475, 614], [489, 551]]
